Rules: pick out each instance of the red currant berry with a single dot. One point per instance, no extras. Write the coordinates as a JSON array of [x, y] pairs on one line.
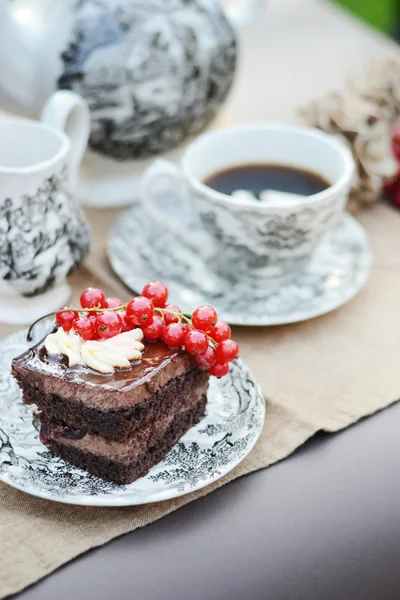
[[396, 142], [93, 319], [113, 302], [85, 327], [227, 351], [174, 335], [140, 311], [169, 317], [108, 324], [391, 185], [204, 318], [219, 369], [154, 331], [220, 332], [157, 292], [92, 316], [93, 298], [66, 318], [126, 324], [206, 360], [196, 342]]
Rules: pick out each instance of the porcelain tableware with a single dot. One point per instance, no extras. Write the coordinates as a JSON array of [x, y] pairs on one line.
[[43, 233], [259, 241], [154, 72], [338, 270]]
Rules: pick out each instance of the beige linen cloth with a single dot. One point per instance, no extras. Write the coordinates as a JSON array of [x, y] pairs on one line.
[[323, 374]]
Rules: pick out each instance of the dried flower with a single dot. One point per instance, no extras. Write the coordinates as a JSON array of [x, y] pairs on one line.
[[363, 117]]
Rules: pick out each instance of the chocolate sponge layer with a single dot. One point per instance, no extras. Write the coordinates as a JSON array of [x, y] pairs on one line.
[[124, 471], [118, 424]]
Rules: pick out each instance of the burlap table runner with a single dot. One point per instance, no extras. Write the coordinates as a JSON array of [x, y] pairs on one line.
[[323, 374]]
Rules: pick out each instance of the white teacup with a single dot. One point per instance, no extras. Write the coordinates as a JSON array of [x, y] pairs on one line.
[[254, 239], [43, 233]]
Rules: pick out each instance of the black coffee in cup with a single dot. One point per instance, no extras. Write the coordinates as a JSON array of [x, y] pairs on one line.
[[259, 178]]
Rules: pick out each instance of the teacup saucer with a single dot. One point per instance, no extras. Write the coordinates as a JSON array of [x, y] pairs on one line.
[[139, 250]]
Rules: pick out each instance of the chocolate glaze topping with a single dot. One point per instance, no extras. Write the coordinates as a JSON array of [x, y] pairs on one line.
[[156, 356], [159, 365]]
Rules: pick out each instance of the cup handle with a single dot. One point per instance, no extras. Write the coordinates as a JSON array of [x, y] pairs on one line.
[[163, 177], [70, 113]]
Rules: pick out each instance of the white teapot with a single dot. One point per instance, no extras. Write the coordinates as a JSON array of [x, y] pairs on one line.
[[153, 72]]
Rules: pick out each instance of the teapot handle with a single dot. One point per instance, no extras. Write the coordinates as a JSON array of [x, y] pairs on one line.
[[70, 113], [242, 12]]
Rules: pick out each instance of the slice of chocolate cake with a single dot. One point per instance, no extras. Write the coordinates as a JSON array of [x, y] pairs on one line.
[[109, 403], [119, 424]]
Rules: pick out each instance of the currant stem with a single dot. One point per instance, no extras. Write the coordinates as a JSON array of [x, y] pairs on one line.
[[173, 312], [85, 310], [180, 316], [29, 334]]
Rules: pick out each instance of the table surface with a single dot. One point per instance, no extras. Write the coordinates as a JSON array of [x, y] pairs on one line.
[[330, 529]]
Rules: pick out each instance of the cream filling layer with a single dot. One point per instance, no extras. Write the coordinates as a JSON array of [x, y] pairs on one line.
[[104, 356]]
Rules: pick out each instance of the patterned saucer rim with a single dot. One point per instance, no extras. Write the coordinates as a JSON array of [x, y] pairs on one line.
[[363, 275], [362, 271], [239, 425], [116, 502]]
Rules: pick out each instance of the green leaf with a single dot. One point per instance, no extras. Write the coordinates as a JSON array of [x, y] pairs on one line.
[[381, 14]]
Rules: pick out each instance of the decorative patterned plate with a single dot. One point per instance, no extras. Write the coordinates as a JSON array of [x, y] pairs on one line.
[[220, 441], [139, 250]]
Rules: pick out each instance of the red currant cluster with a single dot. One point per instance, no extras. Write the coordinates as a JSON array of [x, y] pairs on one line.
[[391, 186], [203, 336], [97, 317]]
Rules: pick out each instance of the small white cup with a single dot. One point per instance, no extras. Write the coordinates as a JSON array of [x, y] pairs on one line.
[[43, 233], [254, 239]]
